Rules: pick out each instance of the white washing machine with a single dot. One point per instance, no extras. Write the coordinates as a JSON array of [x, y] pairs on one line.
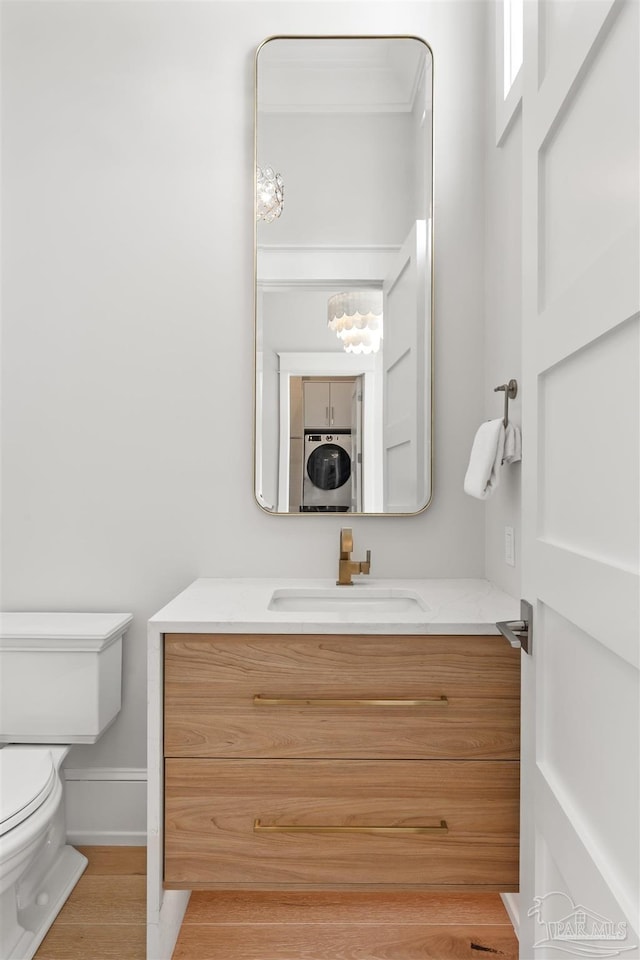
[[326, 485]]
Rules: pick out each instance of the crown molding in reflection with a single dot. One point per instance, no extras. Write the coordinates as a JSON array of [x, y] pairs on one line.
[[364, 265], [330, 75]]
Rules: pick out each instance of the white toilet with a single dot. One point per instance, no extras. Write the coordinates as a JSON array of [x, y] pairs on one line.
[[60, 684]]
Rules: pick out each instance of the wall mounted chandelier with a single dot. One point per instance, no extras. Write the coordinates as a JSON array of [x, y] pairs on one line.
[[269, 194], [356, 318]]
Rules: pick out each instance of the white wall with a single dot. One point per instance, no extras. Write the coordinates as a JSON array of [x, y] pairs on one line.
[[503, 314], [128, 311]]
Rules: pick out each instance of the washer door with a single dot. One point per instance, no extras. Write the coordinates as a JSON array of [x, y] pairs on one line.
[[329, 466]]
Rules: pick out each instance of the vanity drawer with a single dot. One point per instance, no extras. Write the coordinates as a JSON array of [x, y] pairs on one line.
[[216, 812], [449, 728], [343, 697]]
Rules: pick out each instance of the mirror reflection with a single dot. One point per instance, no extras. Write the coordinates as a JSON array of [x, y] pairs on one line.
[[343, 275]]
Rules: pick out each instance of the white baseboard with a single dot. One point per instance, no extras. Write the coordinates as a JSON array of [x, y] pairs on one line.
[[512, 906], [106, 806]]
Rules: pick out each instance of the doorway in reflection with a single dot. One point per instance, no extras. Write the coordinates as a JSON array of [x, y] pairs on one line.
[[325, 444]]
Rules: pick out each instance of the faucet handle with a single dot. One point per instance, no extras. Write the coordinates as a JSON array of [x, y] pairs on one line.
[[346, 543]]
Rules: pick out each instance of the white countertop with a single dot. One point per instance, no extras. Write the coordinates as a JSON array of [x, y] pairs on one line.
[[242, 606]]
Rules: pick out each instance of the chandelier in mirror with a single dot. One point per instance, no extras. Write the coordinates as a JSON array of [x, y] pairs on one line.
[[269, 194], [356, 318]]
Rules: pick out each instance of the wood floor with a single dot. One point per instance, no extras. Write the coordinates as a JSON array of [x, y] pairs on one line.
[[105, 916], [345, 926], [104, 919]]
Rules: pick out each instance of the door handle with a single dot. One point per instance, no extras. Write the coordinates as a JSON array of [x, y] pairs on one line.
[[519, 632]]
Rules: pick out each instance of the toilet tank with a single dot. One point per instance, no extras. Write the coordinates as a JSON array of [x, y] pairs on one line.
[[60, 675]]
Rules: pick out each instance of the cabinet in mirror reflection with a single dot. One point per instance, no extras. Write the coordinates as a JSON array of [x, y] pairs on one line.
[[343, 281]]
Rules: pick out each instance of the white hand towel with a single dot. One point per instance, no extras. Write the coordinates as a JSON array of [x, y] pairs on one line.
[[512, 444], [483, 472]]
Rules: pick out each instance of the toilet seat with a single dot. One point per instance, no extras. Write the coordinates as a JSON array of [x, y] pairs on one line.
[[27, 777]]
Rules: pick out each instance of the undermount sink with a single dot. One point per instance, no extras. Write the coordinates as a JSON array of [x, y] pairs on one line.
[[345, 600]]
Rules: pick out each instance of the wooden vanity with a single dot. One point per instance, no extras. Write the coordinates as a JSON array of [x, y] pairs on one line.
[[330, 760], [314, 761]]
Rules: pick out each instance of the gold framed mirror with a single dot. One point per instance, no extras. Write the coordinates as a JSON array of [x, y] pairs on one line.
[[343, 275]]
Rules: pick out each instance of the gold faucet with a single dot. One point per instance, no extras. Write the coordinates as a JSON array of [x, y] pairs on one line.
[[347, 567]]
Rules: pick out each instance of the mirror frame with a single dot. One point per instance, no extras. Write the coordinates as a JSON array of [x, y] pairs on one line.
[[430, 338]]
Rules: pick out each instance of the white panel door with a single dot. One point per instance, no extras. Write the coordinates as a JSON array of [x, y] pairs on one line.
[[405, 311], [580, 849]]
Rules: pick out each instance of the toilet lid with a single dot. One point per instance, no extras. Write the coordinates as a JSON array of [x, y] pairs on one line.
[[26, 780]]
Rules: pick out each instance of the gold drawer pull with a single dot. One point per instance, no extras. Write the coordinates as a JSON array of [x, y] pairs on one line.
[[296, 828], [347, 702]]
